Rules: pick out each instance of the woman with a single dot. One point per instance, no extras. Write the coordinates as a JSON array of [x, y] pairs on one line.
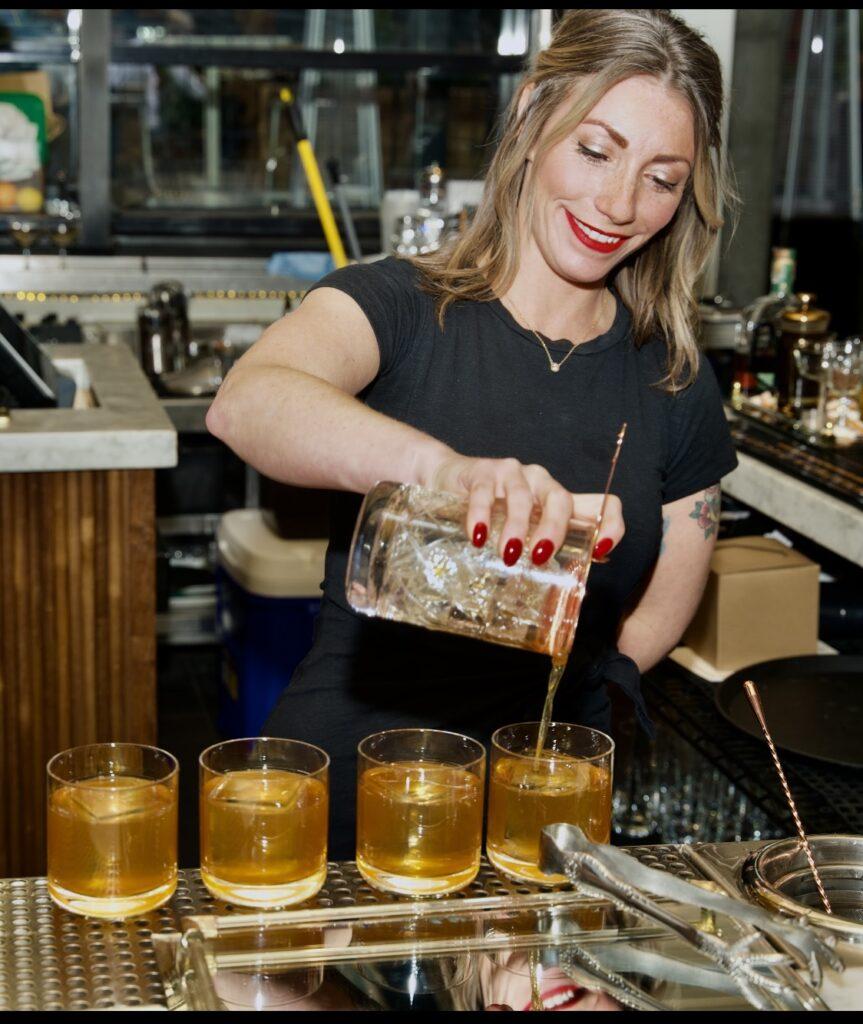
[[503, 367]]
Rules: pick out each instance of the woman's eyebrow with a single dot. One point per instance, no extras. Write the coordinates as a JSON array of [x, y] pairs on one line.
[[615, 135], [662, 158]]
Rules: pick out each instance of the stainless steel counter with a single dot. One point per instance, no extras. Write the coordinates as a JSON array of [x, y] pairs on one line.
[[50, 960]]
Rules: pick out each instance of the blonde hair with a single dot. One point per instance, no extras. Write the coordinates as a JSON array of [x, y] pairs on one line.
[[591, 51]]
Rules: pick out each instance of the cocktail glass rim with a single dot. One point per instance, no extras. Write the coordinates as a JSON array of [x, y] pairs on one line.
[[265, 739], [91, 782], [420, 729], [529, 755]]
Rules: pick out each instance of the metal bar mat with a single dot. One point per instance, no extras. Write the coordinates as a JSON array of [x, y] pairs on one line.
[[53, 960]]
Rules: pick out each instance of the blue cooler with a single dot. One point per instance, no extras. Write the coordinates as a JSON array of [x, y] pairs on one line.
[[268, 598]]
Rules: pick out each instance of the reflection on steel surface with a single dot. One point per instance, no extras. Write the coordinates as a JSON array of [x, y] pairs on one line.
[[54, 960], [598, 870], [778, 876]]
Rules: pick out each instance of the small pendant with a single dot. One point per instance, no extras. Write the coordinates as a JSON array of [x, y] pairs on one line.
[[555, 367]]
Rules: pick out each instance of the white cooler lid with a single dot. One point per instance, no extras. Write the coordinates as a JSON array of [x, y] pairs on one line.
[[264, 564]]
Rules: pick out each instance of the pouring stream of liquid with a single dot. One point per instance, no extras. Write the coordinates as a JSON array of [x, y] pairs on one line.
[[558, 662]]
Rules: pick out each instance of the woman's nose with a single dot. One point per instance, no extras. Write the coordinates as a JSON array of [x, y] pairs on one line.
[[617, 201]]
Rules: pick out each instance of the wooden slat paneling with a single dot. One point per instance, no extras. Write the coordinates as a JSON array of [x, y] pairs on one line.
[[77, 633]]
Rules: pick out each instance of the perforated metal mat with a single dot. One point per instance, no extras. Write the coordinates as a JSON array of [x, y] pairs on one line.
[[53, 960]]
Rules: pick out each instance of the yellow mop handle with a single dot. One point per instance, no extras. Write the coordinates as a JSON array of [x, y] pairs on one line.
[[322, 202]]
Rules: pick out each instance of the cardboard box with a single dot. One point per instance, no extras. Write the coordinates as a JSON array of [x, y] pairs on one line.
[[761, 602]]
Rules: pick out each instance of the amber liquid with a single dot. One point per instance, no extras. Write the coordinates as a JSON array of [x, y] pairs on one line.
[[527, 793], [419, 827], [112, 846], [264, 836], [558, 667]]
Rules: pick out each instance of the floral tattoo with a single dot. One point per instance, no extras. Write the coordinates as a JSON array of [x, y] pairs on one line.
[[706, 512]]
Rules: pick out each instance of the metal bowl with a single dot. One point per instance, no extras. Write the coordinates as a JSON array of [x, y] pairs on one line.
[[779, 877]]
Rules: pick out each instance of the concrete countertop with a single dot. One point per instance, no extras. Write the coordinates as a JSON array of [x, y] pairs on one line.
[[128, 429], [834, 524]]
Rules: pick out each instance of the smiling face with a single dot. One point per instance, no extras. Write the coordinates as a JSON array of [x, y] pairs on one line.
[[613, 183]]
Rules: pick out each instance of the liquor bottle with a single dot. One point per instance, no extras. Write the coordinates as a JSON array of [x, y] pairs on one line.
[[761, 331]]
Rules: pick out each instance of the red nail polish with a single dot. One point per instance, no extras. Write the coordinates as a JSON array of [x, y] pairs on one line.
[[542, 552], [603, 547], [480, 535], [512, 551]]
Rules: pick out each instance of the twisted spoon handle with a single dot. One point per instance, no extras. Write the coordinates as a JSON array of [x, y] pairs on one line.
[[755, 701]]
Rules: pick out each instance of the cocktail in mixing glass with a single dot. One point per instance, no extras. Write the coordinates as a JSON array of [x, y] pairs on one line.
[[411, 560]]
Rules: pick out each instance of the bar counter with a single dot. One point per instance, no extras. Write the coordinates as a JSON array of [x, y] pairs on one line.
[[813, 489], [77, 565], [467, 951]]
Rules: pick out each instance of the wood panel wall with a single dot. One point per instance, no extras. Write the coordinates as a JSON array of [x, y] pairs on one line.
[[77, 633]]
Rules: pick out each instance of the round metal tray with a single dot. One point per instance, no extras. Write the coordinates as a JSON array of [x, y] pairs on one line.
[[813, 705], [778, 876]]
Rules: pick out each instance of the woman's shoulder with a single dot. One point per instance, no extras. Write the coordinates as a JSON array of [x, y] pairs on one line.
[[389, 274], [388, 293]]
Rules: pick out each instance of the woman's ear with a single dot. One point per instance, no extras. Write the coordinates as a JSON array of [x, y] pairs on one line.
[[525, 98], [528, 96]]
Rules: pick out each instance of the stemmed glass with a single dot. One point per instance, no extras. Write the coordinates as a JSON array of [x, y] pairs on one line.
[[844, 364], [64, 225], [811, 359], [25, 232]]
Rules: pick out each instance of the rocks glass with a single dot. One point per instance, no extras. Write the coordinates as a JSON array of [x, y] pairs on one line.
[[412, 561], [264, 816], [112, 829], [570, 781], [419, 810]]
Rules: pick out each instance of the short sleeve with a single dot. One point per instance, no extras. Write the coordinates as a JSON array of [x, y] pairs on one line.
[[700, 448], [387, 291]]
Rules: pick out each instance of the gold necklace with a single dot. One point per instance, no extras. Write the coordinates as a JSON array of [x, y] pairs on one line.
[[552, 365]]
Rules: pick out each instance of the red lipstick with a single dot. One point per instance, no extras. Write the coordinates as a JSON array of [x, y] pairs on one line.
[[594, 243]]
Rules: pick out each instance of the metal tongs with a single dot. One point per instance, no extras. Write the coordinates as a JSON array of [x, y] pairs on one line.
[[608, 873]]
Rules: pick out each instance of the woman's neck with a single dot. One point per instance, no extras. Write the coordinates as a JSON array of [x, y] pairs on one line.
[[543, 301]]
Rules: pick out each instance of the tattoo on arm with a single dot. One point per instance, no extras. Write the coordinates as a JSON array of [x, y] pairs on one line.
[[666, 522], [706, 513]]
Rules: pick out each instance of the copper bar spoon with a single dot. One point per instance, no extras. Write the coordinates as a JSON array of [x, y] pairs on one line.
[[755, 701]]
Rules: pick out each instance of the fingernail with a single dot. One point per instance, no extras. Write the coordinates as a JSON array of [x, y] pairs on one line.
[[603, 547], [480, 535], [512, 551], [542, 552]]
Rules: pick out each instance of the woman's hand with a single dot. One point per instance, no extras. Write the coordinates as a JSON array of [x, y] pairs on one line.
[[523, 487]]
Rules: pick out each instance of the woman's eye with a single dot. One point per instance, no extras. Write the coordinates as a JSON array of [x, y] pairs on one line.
[[663, 185], [591, 154]]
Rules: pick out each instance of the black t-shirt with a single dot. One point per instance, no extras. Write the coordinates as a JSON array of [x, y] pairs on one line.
[[483, 385]]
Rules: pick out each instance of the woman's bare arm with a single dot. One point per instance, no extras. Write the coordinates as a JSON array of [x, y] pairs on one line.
[[288, 406], [656, 623]]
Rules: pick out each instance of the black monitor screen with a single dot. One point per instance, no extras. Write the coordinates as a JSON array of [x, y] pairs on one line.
[[27, 378]]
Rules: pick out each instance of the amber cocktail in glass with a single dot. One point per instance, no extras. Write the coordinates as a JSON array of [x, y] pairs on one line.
[[264, 814], [569, 781], [419, 810], [112, 829]]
